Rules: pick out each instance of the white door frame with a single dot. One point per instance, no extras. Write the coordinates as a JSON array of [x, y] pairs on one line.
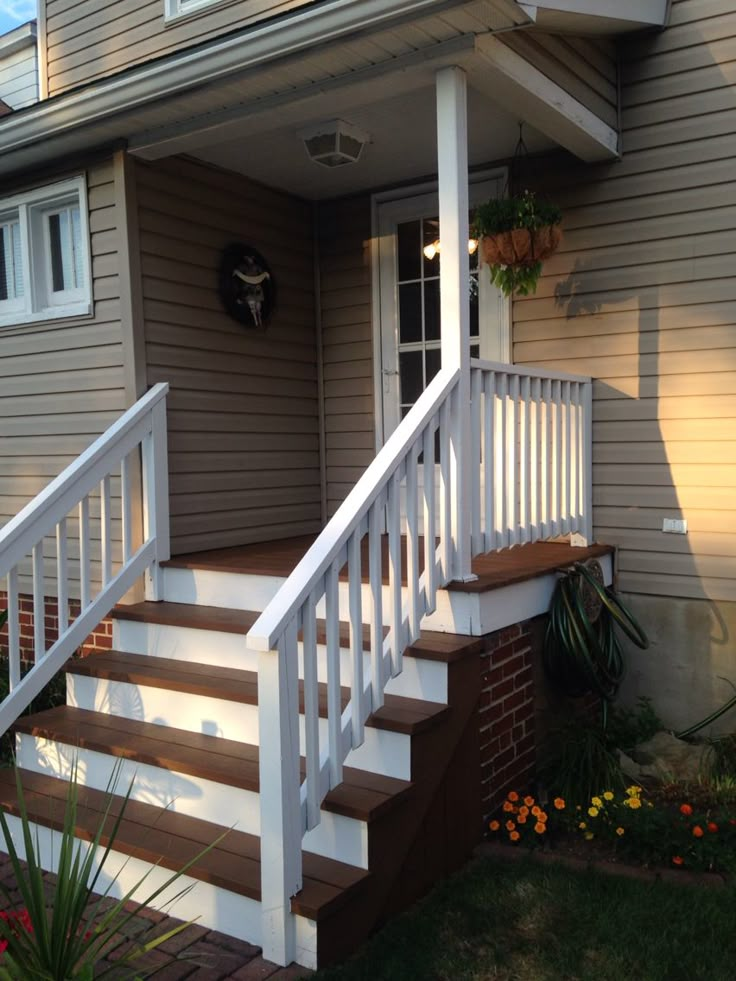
[[407, 200]]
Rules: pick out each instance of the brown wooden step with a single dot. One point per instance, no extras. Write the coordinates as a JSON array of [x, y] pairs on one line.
[[363, 796], [157, 835], [399, 714], [432, 645]]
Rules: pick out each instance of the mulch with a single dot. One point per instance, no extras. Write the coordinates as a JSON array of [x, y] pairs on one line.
[[195, 954]]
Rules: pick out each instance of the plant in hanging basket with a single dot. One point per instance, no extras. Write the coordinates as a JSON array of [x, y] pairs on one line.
[[516, 235]]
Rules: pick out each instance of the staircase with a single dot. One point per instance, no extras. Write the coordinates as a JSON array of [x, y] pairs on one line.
[[177, 701]]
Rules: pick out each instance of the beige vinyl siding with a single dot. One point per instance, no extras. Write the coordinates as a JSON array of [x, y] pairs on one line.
[[86, 40], [642, 296], [347, 347], [62, 383], [19, 77], [585, 68], [243, 411]]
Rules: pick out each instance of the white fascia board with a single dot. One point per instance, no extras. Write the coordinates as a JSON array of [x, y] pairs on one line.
[[279, 38], [20, 37], [646, 13], [515, 83]]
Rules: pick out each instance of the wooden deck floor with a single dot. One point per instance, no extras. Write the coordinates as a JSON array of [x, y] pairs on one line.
[[495, 569]]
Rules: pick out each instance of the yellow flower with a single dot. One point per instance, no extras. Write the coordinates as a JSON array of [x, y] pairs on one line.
[[596, 801], [582, 825], [593, 811], [633, 790], [589, 835], [634, 803], [607, 795], [620, 831]]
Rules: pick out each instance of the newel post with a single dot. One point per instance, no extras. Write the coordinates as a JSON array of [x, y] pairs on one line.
[[452, 168], [156, 498]]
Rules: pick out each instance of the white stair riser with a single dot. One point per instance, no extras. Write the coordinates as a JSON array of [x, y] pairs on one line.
[[228, 720], [211, 906], [337, 836], [420, 678]]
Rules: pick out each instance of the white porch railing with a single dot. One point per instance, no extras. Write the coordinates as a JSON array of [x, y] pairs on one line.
[[530, 479], [111, 455], [531, 445]]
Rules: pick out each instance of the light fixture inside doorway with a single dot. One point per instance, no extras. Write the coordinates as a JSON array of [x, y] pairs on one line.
[[433, 249], [334, 143]]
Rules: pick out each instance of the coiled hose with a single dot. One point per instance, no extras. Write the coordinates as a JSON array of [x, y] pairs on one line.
[[583, 653]]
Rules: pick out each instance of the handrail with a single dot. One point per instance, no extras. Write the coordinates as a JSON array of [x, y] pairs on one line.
[[111, 454], [526, 371]]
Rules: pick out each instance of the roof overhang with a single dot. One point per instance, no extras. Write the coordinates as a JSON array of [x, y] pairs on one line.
[[599, 17], [17, 39]]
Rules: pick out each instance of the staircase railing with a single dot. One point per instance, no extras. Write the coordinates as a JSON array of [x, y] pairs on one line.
[[531, 455], [530, 479], [113, 455], [288, 806]]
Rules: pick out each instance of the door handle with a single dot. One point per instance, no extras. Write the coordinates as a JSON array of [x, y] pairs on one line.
[[390, 371]]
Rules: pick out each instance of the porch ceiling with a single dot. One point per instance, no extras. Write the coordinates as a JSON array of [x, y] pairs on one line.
[[403, 147]]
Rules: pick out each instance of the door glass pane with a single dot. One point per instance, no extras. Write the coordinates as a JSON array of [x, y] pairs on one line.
[[58, 236], [432, 310], [411, 375], [77, 248], [430, 237], [11, 267], [409, 250], [410, 313], [433, 362]]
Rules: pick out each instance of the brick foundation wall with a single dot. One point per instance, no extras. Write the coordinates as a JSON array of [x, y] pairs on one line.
[[99, 639], [507, 713]]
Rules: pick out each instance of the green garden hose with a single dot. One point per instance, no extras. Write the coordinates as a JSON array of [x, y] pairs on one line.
[[582, 652]]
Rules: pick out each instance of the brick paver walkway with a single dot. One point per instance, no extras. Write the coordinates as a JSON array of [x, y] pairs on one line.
[[195, 954]]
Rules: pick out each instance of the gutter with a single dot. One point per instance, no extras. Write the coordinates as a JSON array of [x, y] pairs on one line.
[[192, 68]]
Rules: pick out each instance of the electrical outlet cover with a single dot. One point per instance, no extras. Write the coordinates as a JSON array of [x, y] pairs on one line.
[[674, 526]]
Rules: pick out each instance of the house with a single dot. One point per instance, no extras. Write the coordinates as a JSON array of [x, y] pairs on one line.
[[299, 385]]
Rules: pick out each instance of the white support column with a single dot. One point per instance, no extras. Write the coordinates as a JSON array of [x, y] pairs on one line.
[[452, 168]]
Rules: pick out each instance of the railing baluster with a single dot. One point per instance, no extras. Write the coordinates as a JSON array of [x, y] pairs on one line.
[[39, 603], [567, 455], [512, 462], [534, 478], [586, 463], [13, 629], [376, 614], [355, 585], [557, 463], [502, 538], [105, 530], [430, 521], [394, 574], [125, 498], [546, 428], [62, 591], [574, 409], [489, 406], [475, 457], [311, 711], [445, 494], [84, 556], [412, 543], [334, 694], [524, 458]]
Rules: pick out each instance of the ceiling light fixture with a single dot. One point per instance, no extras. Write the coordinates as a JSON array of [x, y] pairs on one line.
[[334, 143], [433, 249]]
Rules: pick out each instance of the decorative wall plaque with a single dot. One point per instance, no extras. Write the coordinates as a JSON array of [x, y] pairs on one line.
[[247, 288]]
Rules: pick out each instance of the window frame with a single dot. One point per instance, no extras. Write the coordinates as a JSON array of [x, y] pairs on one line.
[[173, 11], [39, 301]]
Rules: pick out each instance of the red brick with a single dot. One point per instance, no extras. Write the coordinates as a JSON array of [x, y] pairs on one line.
[[513, 666], [514, 701], [502, 689]]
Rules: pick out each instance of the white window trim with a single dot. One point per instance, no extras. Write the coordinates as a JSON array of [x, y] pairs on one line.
[[173, 12], [37, 304]]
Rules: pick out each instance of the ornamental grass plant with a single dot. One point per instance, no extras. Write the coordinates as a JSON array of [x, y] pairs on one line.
[[64, 939]]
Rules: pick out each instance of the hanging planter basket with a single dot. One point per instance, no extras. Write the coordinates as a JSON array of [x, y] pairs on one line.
[[520, 246]]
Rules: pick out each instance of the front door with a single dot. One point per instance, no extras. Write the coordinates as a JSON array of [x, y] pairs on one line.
[[409, 254]]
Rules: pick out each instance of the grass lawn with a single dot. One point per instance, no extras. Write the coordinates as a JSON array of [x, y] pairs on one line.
[[524, 921]]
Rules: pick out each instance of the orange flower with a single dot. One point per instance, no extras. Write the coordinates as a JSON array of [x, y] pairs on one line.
[[513, 795], [508, 807], [514, 836], [712, 827], [678, 860], [697, 831], [536, 810], [542, 816], [540, 828], [524, 810], [494, 825], [559, 803], [529, 801], [686, 810], [521, 819], [510, 826]]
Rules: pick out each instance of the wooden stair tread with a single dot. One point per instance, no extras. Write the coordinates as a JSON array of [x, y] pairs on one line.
[[399, 714], [363, 796], [158, 835], [431, 645], [525, 562]]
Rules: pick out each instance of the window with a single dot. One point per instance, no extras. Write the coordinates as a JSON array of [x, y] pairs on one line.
[[179, 8], [44, 254]]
